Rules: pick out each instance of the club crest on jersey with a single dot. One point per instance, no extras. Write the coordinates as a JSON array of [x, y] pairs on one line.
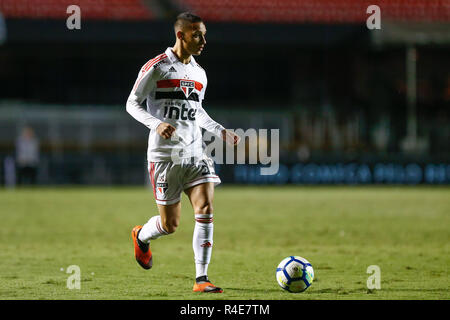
[[161, 188], [187, 86]]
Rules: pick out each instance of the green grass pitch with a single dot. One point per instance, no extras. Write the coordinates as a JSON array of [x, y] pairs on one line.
[[340, 230]]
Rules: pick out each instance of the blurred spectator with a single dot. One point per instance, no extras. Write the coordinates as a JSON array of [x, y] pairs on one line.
[[27, 156]]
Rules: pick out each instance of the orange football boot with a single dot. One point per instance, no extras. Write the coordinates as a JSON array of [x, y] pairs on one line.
[[206, 286], [142, 250]]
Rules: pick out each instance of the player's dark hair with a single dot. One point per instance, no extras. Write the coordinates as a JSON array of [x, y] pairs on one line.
[[186, 17]]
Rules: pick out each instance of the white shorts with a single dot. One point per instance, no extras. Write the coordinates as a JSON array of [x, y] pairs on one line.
[[169, 179]]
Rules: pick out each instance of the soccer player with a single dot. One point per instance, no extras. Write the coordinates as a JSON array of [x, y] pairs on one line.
[[174, 84]]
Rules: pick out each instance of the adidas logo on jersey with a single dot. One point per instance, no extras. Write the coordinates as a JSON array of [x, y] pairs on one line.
[[172, 69]]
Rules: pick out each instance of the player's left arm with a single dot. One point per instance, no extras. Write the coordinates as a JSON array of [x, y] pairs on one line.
[[207, 123]]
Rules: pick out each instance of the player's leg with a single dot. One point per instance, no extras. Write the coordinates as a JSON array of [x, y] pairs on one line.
[[157, 226], [201, 197], [167, 194], [163, 224]]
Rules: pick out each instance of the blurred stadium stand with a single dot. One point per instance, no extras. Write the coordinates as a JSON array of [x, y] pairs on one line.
[[319, 11], [254, 11], [341, 95], [56, 9]]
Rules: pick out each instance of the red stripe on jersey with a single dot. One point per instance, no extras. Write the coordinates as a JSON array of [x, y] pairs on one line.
[[151, 62], [175, 83], [147, 66], [138, 81], [152, 177], [154, 62]]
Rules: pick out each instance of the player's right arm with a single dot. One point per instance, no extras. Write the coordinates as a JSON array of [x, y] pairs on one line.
[[142, 87]]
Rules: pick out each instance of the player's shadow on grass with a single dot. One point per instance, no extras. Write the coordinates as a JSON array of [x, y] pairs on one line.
[[415, 290], [340, 291], [343, 292], [254, 290], [374, 291]]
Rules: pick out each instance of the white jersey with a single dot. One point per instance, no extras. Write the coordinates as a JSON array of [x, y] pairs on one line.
[[174, 92]]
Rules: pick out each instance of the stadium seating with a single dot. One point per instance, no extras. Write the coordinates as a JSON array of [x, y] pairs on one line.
[[317, 11], [56, 9], [250, 11]]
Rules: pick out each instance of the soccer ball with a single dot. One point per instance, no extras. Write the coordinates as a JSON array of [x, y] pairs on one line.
[[295, 274]]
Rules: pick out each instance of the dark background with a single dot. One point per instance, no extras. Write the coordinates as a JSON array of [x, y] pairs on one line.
[[339, 95]]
